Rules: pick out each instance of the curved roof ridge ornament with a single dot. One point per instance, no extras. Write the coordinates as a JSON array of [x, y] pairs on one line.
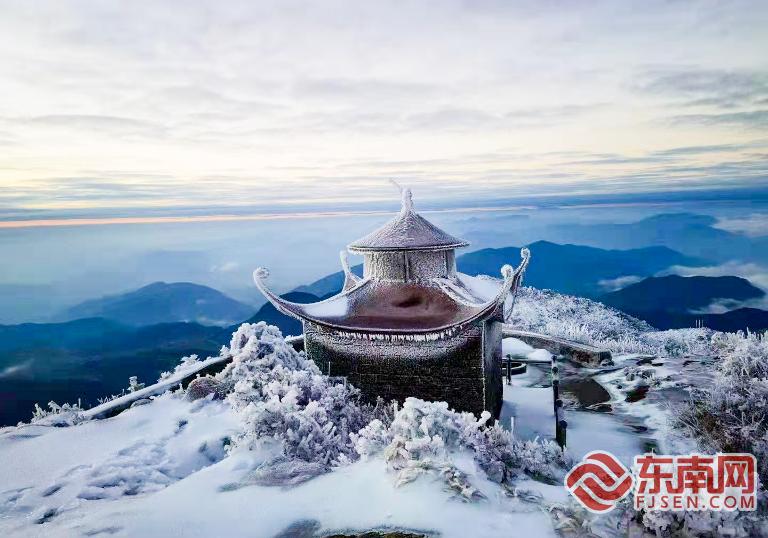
[[525, 256], [406, 197], [512, 280], [289, 308], [350, 279]]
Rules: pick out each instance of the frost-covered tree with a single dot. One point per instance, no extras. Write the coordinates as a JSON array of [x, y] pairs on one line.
[[424, 435]]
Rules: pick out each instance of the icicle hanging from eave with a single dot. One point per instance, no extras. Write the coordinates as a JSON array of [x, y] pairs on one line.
[[443, 334]]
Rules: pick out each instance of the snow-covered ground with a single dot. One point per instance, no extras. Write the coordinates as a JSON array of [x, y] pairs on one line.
[[161, 470], [172, 467], [290, 452]]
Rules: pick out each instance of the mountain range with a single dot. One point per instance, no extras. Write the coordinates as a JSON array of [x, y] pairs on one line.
[[146, 331], [161, 302], [739, 319], [690, 233], [89, 358], [671, 302], [576, 269], [680, 294]]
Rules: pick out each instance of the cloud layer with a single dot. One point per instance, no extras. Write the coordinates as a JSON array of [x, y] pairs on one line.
[[153, 104]]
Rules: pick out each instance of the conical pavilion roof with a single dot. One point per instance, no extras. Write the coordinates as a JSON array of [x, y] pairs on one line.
[[407, 231]]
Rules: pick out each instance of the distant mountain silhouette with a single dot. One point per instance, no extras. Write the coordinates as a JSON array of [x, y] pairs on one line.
[[572, 269], [330, 284], [163, 303], [21, 303], [89, 358], [689, 233], [668, 302], [740, 319], [680, 294], [67, 334], [93, 357]]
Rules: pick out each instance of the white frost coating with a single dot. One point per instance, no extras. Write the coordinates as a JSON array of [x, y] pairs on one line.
[[461, 294], [407, 230], [162, 469], [482, 286], [328, 309], [350, 278], [65, 475], [515, 347], [406, 196], [539, 355]]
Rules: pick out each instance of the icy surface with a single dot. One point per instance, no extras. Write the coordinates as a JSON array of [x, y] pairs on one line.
[[532, 407]]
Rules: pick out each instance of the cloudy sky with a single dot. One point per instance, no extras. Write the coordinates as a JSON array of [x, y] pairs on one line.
[[152, 105]]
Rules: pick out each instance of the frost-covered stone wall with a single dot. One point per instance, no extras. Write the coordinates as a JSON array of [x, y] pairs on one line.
[[455, 369]]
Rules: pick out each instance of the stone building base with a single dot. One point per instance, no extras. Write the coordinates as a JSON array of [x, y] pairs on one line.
[[463, 370]]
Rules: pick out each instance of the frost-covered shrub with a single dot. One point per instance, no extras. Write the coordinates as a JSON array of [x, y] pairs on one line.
[[589, 322], [708, 523], [732, 414], [281, 395], [133, 384], [372, 439], [575, 318], [676, 342], [59, 415], [187, 362], [424, 435]]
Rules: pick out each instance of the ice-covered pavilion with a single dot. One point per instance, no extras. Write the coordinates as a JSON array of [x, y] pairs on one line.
[[409, 326]]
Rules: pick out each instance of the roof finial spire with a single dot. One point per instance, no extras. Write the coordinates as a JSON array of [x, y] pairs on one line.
[[407, 197]]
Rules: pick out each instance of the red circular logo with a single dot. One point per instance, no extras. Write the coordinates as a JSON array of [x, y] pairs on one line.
[[599, 482]]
